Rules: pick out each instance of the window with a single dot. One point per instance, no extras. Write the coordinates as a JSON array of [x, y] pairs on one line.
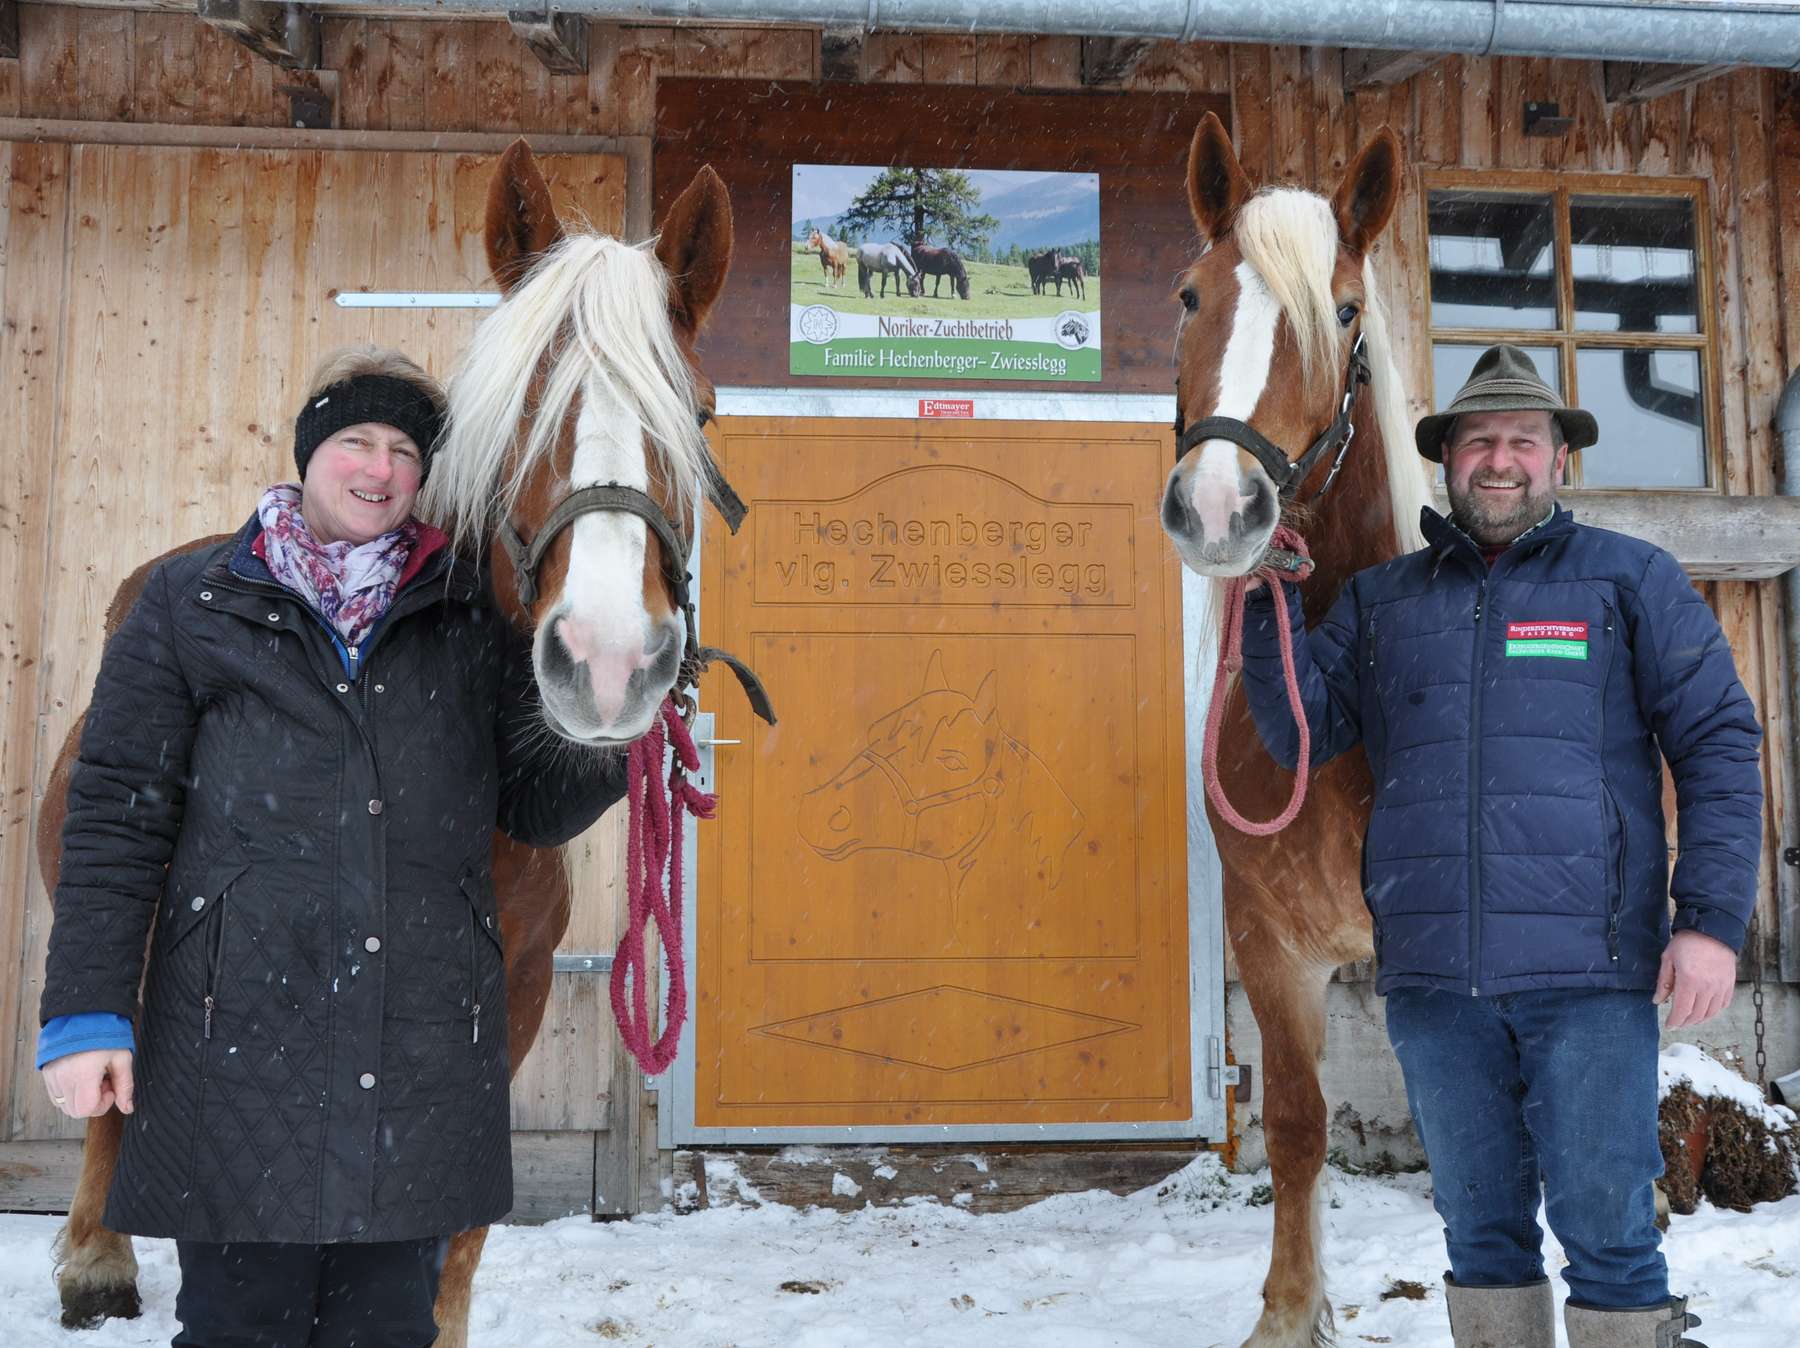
[[1600, 281]]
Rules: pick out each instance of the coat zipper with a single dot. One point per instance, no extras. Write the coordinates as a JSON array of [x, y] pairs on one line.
[[474, 978], [1616, 902], [215, 954], [1475, 794]]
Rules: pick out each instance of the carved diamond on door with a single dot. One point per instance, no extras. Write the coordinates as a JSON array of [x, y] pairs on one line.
[[946, 1028]]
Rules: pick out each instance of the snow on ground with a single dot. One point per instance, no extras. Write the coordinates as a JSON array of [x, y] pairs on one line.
[[1706, 1076], [1176, 1266]]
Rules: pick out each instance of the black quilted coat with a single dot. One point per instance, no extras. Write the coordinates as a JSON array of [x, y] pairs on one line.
[[322, 1052]]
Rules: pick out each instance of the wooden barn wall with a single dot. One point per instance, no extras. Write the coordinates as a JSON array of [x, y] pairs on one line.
[[1740, 132]]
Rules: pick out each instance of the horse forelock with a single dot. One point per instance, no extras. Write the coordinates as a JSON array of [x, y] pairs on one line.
[[590, 319], [1288, 237]]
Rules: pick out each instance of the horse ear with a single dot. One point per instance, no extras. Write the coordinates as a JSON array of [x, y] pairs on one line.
[[1217, 184], [521, 219], [984, 698], [694, 247], [1365, 199], [934, 673]]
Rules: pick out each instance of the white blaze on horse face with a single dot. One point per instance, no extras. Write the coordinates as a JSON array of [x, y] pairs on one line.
[[1217, 489], [600, 618]]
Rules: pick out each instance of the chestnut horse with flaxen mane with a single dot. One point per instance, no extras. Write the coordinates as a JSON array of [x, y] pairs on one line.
[[1280, 322], [591, 334]]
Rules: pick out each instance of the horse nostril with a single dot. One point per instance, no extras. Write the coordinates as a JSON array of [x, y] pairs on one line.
[[839, 821]]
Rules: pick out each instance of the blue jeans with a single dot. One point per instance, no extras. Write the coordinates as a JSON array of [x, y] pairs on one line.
[[1553, 1089]]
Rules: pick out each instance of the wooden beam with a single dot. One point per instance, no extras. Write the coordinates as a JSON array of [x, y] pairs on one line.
[[1642, 81], [559, 40], [9, 30], [840, 55], [287, 35], [1713, 537], [1110, 60], [1372, 69]]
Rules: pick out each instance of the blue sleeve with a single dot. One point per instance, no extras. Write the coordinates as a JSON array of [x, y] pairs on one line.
[[1691, 697], [1325, 662], [80, 1033]]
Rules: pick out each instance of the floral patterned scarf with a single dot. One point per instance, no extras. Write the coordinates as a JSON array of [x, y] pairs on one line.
[[350, 584]]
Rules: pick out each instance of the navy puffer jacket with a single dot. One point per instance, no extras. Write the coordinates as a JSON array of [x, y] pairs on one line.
[[1514, 721]]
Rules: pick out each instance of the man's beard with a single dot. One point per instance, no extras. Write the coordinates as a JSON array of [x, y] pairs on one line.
[[1492, 523]]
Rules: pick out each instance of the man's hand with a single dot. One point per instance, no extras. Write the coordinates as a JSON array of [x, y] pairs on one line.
[[84, 1085], [1700, 974]]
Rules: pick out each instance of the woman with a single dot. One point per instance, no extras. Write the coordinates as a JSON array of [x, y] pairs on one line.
[[299, 743]]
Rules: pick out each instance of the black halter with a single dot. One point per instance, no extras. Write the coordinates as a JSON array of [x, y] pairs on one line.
[[1286, 474], [528, 554]]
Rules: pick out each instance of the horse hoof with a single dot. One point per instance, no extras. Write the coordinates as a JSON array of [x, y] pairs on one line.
[[89, 1307]]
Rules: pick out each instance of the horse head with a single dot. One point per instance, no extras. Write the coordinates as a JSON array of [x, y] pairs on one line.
[[584, 377], [922, 783], [1273, 313]]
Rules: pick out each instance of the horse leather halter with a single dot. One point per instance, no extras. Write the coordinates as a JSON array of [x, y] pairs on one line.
[[1285, 474], [989, 785], [528, 554]]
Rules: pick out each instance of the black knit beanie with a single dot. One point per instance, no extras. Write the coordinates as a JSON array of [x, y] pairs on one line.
[[368, 397]]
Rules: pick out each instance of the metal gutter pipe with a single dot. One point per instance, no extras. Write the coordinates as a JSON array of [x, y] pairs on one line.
[[1787, 880], [1696, 32]]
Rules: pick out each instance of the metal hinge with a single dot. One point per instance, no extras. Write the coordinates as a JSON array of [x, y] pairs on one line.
[[1791, 855], [1220, 1074]]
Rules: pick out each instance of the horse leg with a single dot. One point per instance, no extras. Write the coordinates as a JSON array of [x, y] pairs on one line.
[[455, 1286], [96, 1271], [1287, 994]]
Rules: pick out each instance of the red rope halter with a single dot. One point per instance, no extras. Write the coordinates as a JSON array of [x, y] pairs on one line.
[[653, 849], [1231, 659]]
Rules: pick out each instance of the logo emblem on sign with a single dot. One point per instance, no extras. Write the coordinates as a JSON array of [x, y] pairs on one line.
[[1555, 640]]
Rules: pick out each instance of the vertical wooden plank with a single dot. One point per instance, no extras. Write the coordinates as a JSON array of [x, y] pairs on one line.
[[1440, 99], [1786, 154], [1003, 60], [1710, 155], [1056, 63], [1752, 110], [950, 59], [1521, 79], [50, 62], [633, 84], [1250, 129], [1664, 133], [1480, 134], [1182, 67], [1331, 117], [1735, 603], [1290, 116], [893, 58], [33, 298], [492, 76], [104, 71], [10, 89], [163, 54], [445, 48]]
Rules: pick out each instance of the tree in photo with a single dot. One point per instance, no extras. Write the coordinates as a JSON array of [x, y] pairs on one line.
[[918, 204]]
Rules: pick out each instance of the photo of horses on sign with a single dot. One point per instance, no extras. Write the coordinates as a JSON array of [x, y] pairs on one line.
[[932, 273]]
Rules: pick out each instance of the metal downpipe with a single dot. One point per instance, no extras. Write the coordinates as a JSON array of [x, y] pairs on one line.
[[1787, 879]]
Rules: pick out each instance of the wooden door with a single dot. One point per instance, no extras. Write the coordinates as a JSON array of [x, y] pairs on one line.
[[172, 304], [950, 886]]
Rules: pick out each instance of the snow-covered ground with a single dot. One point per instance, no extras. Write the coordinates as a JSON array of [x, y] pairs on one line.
[[1176, 1266]]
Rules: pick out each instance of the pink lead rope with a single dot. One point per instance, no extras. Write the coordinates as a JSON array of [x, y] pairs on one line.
[[653, 849], [1231, 660]]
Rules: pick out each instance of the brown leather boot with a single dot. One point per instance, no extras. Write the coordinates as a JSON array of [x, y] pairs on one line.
[[1522, 1316], [1652, 1327]]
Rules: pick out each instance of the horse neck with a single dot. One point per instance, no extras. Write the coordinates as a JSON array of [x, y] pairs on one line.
[[1353, 527]]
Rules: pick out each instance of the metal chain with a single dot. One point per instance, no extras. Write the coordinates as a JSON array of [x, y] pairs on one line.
[[1756, 1000]]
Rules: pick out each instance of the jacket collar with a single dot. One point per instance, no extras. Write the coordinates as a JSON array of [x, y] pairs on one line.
[[1444, 537], [434, 561]]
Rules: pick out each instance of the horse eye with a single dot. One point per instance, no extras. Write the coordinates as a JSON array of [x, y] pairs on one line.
[[1189, 300], [952, 760], [1347, 314]]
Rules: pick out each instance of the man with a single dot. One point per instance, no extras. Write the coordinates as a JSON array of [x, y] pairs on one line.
[[1516, 686]]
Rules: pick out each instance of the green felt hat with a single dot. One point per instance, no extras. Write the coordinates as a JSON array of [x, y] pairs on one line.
[[1505, 380]]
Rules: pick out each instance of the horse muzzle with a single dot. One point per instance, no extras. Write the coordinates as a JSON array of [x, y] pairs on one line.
[[1220, 518], [604, 691]]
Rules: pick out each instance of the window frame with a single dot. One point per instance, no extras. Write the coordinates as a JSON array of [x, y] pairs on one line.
[[1565, 337]]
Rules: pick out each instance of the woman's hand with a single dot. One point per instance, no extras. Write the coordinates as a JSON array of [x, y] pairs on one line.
[[84, 1085]]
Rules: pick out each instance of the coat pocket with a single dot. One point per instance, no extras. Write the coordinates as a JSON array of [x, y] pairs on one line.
[[193, 940], [1616, 872], [487, 956]]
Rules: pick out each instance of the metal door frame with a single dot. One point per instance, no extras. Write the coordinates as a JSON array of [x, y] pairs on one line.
[[1206, 937]]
